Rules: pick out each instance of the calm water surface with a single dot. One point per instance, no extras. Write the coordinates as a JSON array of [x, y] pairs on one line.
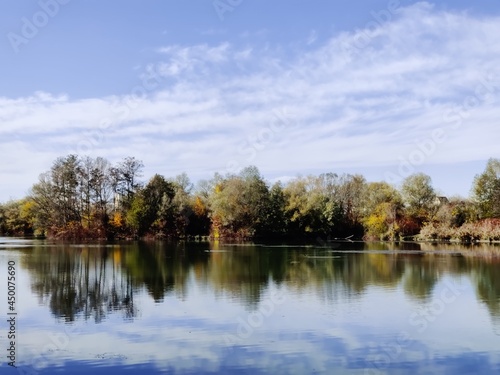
[[210, 308]]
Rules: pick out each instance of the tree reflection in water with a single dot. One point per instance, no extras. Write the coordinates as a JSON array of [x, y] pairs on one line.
[[90, 281], [84, 280]]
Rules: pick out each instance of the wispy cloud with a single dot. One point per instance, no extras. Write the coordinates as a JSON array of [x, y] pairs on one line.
[[182, 60], [350, 107]]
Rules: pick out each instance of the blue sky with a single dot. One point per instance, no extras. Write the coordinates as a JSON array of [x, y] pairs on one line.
[[382, 88]]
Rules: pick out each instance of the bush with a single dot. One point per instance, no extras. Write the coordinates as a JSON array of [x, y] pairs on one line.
[[484, 230], [436, 232]]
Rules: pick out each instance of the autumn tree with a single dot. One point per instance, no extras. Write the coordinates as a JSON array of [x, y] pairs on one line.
[[76, 193], [80, 193], [16, 217], [456, 212], [381, 208], [199, 220], [2, 220]]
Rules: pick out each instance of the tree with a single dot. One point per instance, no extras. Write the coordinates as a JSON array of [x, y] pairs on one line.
[[419, 196], [84, 172], [239, 204], [182, 203], [152, 205], [64, 181], [199, 221], [57, 199], [125, 178], [94, 186], [16, 217], [297, 205], [378, 222], [137, 216], [45, 209], [350, 192], [381, 206], [101, 187], [276, 220], [377, 193], [3, 228], [315, 206], [486, 190], [74, 193], [456, 212]]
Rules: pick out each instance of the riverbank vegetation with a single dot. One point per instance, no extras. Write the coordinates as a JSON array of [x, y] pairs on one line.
[[90, 198]]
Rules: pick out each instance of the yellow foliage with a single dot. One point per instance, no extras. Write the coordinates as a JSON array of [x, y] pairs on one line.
[[199, 207], [378, 222], [118, 220], [26, 209]]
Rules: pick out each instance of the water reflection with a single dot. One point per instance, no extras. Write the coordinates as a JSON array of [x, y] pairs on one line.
[[90, 281], [86, 281], [210, 308]]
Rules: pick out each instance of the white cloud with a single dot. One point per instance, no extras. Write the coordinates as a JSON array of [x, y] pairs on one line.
[[347, 103], [187, 59]]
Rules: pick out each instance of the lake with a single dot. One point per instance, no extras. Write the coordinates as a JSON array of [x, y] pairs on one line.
[[214, 308]]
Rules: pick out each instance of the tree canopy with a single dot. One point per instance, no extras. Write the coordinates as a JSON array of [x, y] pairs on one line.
[[84, 197], [486, 190]]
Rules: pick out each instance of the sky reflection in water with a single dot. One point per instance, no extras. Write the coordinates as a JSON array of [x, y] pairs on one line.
[[178, 308]]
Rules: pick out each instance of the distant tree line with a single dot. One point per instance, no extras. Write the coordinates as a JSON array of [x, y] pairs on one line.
[[84, 197]]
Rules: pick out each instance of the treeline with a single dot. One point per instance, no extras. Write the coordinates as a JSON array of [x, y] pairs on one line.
[[84, 197]]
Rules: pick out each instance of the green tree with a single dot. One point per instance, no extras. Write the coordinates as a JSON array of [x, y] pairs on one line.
[[302, 206], [318, 205], [45, 210], [137, 216], [276, 221], [419, 196], [151, 208], [377, 193], [239, 204], [486, 190]]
